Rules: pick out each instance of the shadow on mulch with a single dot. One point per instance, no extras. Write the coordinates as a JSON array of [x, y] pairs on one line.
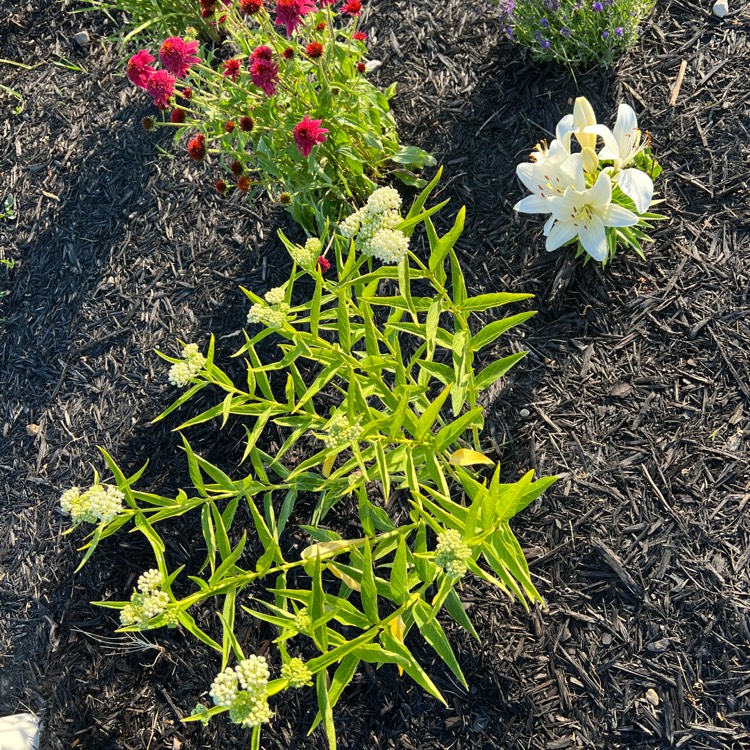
[[634, 390]]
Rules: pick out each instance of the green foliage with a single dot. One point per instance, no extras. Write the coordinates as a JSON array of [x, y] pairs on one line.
[[574, 32], [379, 390]]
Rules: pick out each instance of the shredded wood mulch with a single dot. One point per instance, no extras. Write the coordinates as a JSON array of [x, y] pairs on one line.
[[636, 392]]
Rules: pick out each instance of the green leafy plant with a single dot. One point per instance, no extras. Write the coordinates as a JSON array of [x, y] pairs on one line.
[[380, 389], [289, 114], [574, 32]]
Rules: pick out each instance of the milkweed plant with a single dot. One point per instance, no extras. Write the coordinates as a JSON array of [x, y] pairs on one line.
[[282, 107], [574, 32], [599, 196], [377, 383]]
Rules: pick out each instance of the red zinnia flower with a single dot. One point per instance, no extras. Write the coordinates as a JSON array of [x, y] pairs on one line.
[[237, 168], [314, 50], [288, 53], [360, 36], [361, 67], [139, 70], [221, 186], [232, 69], [261, 53], [243, 184], [308, 134], [187, 92], [247, 123], [265, 75], [229, 127], [177, 116], [248, 7], [197, 147], [324, 264], [160, 85], [177, 55], [321, 26], [207, 12], [351, 8], [289, 13]]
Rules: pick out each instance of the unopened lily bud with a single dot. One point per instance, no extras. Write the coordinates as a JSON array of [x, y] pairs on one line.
[[584, 117], [590, 160]]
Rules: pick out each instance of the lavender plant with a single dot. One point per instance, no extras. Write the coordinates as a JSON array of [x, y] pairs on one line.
[[384, 386], [574, 32]]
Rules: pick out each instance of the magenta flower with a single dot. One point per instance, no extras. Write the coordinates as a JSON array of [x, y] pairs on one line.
[[177, 55], [262, 52], [160, 85], [263, 70], [351, 8], [289, 13], [139, 70], [307, 134], [232, 69]]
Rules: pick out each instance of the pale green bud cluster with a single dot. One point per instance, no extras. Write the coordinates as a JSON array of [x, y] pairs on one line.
[[341, 432], [247, 706], [181, 373], [452, 552], [98, 503], [302, 621], [274, 296], [297, 672], [307, 256], [273, 316], [147, 602], [373, 227]]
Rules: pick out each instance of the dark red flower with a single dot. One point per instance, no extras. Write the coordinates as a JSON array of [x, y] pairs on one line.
[[197, 147], [232, 69], [139, 69], [261, 53], [237, 168], [247, 123], [177, 116], [361, 67], [307, 134], [187, 92], [160, 85], [289, 13], [360, 36], [248, 7], [148, 123], [324, 264], [177, 55], [229, 127], [207, 12], [288, 53], [351, 8], [321, 26], [221, 186], [314, 50], [265, 74], [243, 184]]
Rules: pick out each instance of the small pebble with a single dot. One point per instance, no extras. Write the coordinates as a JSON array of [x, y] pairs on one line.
[[652, 697], [524, 413], [32, 430], [720, 8], [82, 38]]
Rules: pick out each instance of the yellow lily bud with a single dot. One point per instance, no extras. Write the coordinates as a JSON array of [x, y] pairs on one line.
[[590, 160], [583, 116]]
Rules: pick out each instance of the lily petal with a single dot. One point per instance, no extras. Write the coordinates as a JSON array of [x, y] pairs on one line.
[[617, 216], [638, 186], [549, 224], [611, 149], [626, 127], [594, 238], [564, 130], [533, 204], [529, 174], [600, 195], [561, 234]]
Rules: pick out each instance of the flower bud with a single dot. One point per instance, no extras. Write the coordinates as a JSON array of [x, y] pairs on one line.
[[590, 160], [583, 117]]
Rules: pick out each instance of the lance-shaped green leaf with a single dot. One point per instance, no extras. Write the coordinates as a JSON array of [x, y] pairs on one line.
[[497, 328], [369, 592], [492, 373], [451, 432], [434, 634], [430, 415], [444, 245], [399, 577]]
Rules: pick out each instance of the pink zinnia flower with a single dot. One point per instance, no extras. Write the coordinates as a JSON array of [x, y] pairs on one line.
[[261, 53], [232, 69], [139, 70], [265, 75], [160, 85], [307, 134], [289, 13], [177, 55], [351, 8]]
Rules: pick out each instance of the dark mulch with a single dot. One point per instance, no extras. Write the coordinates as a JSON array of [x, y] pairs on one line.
[[636, 391]]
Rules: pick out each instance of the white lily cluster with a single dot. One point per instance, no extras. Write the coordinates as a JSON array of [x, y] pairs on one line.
[[243, 690], [100, 502], [373, 227], [576, 188], [181, 373]]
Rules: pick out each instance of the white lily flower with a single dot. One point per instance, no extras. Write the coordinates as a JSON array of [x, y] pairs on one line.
[[551, 175], [586, 214]]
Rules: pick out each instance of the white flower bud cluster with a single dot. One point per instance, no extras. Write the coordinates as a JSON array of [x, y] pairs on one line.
[[373, 227], [452, 552], [248, 706], [99, 503], [274, 296], [181, 373], [341, 433], [302, 621], [307, 255], [147, 602], [148, 581], [271, 316], [297, 672]]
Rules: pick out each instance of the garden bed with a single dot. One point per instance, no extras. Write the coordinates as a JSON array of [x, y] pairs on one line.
[[636, 391]]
